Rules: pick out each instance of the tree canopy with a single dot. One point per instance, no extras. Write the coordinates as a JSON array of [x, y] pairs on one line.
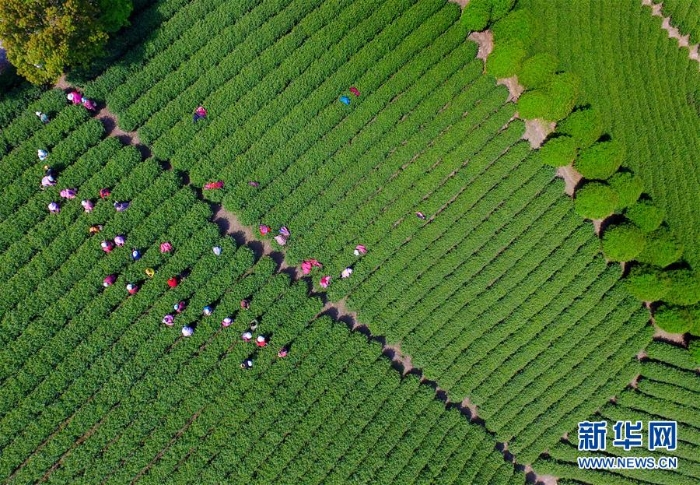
[[43, 37]]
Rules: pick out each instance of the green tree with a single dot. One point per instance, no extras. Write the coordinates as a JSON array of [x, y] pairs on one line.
[[645, 215], [647, 283], [601, 160], [538, 71], [585, 126], [595, 200], [623, 242], [114, 14], [628, 188], [43, 37], [534, 104], [673, 319], [554, 101], [662, 248], [685, 287], [505, 59], [564, 90], [558, 152]]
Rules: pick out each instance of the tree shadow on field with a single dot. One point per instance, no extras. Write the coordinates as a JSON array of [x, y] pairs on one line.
[[127, 47]]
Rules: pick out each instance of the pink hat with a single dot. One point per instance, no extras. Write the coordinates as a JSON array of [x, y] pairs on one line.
[[325, 281], [166, 247]]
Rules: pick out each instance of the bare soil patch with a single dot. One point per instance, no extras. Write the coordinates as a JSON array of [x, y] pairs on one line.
[[674, 338], [571, 178], [514, 87], [485, 42], [461, 3], [537, 130]]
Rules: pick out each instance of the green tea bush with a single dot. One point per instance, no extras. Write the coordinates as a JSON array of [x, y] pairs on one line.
[[476, 15], [516, 26], [623, 242], [647, 283], [628, 187], [673, 319], [595, 200], [584, 125], [538, 71], [601, 160], [558, 152], [662, 248], [645, 215], [685, 287]]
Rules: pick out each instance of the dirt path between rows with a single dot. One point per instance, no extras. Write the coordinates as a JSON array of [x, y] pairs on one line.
[[673, 32]]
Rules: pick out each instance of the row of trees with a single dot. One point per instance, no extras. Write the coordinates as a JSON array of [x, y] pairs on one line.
[[638, 235], [42, 38]]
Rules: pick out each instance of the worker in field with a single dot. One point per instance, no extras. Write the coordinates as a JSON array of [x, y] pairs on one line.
[[246, 336], [420, 215], [74, 97], [261, 341], [253, 183], [187, 331], [173, 281], [216, 250], [168, 320], [345, 100], [207, 310], [325, 281], [95, 229], [199, 114], [354, 91], [109, 280], [309, 264], [121, 206], [104, 193], [119, 240], [54, 208], [360, 250], [264, 229], [180, 306], [132, 288], [226, 322], [69, 193], [346, 273], [89, 104], [88, 205], [48, 181], [107, 246], [42, 154], [245, 304], [42, 116], [219, 184], [150, 272], [135, 254], [165, 247], [282, 352], [247, 364]]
